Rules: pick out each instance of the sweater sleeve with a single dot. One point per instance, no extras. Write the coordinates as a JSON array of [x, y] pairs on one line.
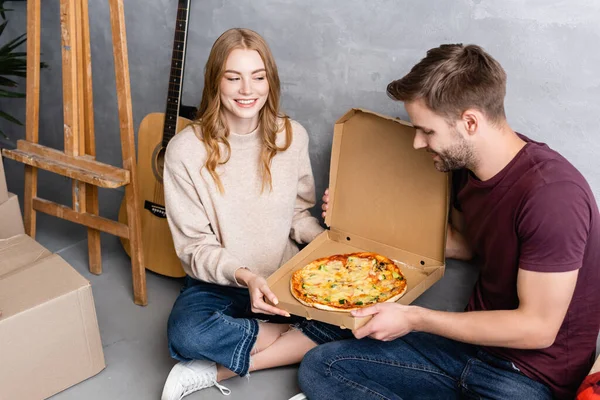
[[305, 227], [196, 244]]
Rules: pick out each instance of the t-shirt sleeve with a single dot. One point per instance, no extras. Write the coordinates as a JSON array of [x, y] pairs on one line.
[[553, 228]]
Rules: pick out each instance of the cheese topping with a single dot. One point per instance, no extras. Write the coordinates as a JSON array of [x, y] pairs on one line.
[[362, 281]]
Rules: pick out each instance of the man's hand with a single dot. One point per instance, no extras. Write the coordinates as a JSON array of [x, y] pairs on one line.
[[325, 205], [259, 290], [390, 321]]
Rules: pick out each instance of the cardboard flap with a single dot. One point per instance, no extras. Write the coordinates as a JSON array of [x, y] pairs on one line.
[[19, 251], [32, 285], [383, 189]]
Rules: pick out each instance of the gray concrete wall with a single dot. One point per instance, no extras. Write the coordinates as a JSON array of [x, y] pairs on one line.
[[338, 54]]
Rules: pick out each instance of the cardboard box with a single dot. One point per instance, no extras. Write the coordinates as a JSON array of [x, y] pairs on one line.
[[11, 220], [385, 197], [3, 189], [19, 251], [49, 337]]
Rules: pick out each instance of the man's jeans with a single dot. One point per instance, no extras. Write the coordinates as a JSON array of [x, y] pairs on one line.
[[416, 366]]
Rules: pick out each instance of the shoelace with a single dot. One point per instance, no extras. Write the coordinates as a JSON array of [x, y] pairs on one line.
[[224, 391], [193, 382]]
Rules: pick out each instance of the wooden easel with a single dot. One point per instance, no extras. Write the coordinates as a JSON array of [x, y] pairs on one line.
[[78, 159]]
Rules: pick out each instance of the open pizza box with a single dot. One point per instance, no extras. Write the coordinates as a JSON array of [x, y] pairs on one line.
[[386, 198]]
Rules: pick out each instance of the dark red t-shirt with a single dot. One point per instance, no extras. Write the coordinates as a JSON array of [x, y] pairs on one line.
[[538, 214]]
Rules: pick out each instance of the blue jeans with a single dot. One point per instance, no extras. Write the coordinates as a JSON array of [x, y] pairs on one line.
[[416, 366], [213, 322]]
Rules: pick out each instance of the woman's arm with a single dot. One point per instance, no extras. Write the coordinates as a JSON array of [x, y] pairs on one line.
[[197, 246], [305, 227]]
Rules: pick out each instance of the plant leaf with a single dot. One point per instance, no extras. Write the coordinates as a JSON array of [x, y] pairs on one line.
[[7, 82], [10, 118], [13, 44], [9, 94]]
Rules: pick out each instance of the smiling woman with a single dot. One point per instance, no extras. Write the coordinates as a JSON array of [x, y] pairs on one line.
[[238, 189]]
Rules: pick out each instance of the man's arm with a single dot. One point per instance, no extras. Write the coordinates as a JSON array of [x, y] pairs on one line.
[[543, 302], [456, 244]]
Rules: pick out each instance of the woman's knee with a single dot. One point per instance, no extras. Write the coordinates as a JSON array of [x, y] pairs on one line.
[[187, 334]]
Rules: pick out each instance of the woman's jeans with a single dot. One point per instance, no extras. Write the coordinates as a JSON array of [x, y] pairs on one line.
[[213, 322]]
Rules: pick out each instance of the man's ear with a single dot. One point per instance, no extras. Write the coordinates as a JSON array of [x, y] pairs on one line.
[[471, 120]]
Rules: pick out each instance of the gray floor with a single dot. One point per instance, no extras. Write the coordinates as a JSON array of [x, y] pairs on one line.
[[134, 338]]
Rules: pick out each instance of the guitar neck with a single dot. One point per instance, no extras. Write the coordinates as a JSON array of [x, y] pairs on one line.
[[176, 74]]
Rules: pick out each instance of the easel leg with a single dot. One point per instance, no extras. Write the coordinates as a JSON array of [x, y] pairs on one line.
[[94, 248], [87, 126], [138, 271], [32, 109], [117, 19], [29, 194]]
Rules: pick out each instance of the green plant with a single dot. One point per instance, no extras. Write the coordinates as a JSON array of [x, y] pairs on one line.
[[13, 63], [3, 10]]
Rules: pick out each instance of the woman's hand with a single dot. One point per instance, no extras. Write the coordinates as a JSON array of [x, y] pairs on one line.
[[259, 290], [325, 205]]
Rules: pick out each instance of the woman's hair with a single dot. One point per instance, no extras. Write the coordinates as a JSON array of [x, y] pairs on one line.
[[210, 117], [453, 78]]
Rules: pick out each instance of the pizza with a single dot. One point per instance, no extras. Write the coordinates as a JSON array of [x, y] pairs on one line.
[[346, 282]]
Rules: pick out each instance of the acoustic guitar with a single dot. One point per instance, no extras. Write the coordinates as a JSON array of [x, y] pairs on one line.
[[155, 132]]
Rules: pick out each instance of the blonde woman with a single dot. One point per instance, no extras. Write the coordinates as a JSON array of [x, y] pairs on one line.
[[238, 188]]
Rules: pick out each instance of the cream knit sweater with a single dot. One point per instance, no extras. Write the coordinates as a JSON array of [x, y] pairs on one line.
[[214, 233]]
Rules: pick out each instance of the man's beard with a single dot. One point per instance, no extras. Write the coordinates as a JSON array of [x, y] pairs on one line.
[[458, 156]]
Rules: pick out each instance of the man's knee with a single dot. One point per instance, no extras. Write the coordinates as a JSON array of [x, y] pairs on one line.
[[315, 365], [310, 368]]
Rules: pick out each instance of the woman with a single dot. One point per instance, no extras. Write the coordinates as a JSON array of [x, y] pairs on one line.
[[238, 187]]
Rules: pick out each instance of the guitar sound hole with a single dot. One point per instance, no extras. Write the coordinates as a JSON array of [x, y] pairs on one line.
[[158, 162]]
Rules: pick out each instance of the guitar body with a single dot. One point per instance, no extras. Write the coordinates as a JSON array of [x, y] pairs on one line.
[[153, 137], [158, 248]]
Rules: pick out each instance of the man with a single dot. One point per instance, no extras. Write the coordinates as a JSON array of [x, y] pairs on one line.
[[527, 217]]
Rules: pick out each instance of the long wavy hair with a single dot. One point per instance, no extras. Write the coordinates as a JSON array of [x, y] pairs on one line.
[[211, 120]]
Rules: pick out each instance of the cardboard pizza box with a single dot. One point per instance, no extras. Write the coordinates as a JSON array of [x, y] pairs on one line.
[[385, 197]]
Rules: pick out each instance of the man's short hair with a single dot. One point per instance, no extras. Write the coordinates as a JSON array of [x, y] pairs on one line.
[[453, 78]]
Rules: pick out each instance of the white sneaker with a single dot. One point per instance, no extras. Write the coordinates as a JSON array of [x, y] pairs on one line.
[[189, 377], [299, 396]]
